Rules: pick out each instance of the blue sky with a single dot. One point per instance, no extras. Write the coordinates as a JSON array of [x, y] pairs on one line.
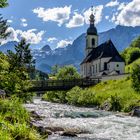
[[59, 22]]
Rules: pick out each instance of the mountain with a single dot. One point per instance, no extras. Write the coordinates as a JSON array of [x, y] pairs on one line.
[[8, 46], [46, 48], [73, 54], [121, 36]]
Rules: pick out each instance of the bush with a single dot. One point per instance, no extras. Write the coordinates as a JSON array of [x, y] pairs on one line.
[[136, 78], [14, 121], [73, 95], [134, 55], [115, 102], [55, 96], [67, 72]]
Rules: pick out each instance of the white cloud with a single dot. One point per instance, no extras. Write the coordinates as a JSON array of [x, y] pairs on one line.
[[97, 12], [112, 3], [57, 14], [52, 39], [76, 21], [9, 21], [130, 14], [121, 6], [107, 17], [31, 36], [23, 22], [63, 43]]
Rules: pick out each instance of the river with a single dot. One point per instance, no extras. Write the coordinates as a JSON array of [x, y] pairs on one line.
[[86, 123]]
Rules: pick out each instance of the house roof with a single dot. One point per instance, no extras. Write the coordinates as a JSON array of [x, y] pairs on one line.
[[104, 50]]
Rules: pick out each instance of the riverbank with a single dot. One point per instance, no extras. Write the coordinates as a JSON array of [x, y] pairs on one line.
[[67, 122], [15, 121], [113, 95]]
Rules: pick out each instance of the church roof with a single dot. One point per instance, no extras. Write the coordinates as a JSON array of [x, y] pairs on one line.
[[104, 50], [92, 30]]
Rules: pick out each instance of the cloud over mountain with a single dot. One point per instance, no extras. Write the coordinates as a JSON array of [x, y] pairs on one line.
[[76, 21], [57, 14], [32, 36], [130, 14]]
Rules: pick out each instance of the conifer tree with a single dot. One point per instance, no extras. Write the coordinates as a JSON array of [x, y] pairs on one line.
[[3, 23], [3, 3]]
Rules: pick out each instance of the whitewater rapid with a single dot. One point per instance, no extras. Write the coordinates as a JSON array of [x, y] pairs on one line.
[[86, 123]]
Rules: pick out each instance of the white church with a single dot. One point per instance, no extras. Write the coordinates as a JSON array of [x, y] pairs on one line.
[[100, 60]]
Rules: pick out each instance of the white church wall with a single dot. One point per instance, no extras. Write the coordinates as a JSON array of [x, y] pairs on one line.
[[103, 61], [117, 66], [95, 67]]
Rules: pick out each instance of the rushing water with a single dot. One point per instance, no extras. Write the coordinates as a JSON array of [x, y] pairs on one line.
[[87, 123]]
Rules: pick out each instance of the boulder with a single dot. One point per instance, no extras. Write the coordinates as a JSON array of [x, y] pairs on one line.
[[43, 131], [106, 106], [136, 111], [35, 116], [69, 134], [54, 129], [2, 93]]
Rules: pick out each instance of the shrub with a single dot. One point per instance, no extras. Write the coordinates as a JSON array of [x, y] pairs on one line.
[[134, 55], [67, 72], [55, 96], [115, 102], [73, 95], [14, 121], [136, 78]]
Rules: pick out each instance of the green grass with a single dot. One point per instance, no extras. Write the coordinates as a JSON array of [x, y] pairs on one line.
[[14, 121], [121, 89], [129, 68], [119, 94]]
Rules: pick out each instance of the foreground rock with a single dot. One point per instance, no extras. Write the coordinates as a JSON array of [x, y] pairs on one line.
[[2, 93], [136, 111]]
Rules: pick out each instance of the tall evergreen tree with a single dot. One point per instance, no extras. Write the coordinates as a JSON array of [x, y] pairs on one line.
[[3, 3], [3, 23], [23, 53], [3, 28]]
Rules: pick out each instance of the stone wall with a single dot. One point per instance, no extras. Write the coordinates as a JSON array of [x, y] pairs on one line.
[[114, 77]]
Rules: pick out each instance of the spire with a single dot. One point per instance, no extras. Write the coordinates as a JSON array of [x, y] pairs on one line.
[[92, 17]]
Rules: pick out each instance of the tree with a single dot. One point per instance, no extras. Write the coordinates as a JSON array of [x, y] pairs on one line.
[[136, 43], [132, 53], [22, 60], [23, 54], [3, 3], [136, 78], [3, 29], [54, 69], [67, 72]]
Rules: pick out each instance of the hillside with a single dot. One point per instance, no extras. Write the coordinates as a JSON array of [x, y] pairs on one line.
[[130, 67]]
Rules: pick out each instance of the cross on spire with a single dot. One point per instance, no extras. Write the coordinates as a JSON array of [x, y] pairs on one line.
[[91, 9], [92, 17]]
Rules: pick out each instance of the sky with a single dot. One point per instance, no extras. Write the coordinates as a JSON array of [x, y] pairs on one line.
[[59, 22]]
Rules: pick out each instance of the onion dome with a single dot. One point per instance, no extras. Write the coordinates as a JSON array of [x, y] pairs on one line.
[[92, 29]]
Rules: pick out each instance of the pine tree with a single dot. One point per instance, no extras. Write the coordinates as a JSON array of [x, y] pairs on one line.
[[3, 3], [3, 23], [23, 53], [3, 28]]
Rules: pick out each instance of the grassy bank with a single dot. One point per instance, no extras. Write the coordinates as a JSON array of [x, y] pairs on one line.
[[116, 95], [14, 121]]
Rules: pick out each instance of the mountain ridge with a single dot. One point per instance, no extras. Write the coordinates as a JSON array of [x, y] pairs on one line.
[[121, 37]]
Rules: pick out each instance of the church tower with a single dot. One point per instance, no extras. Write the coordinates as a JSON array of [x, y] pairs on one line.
[[92, 35]]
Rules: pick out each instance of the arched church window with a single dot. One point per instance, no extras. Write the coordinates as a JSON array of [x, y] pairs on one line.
[[93, 42]]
